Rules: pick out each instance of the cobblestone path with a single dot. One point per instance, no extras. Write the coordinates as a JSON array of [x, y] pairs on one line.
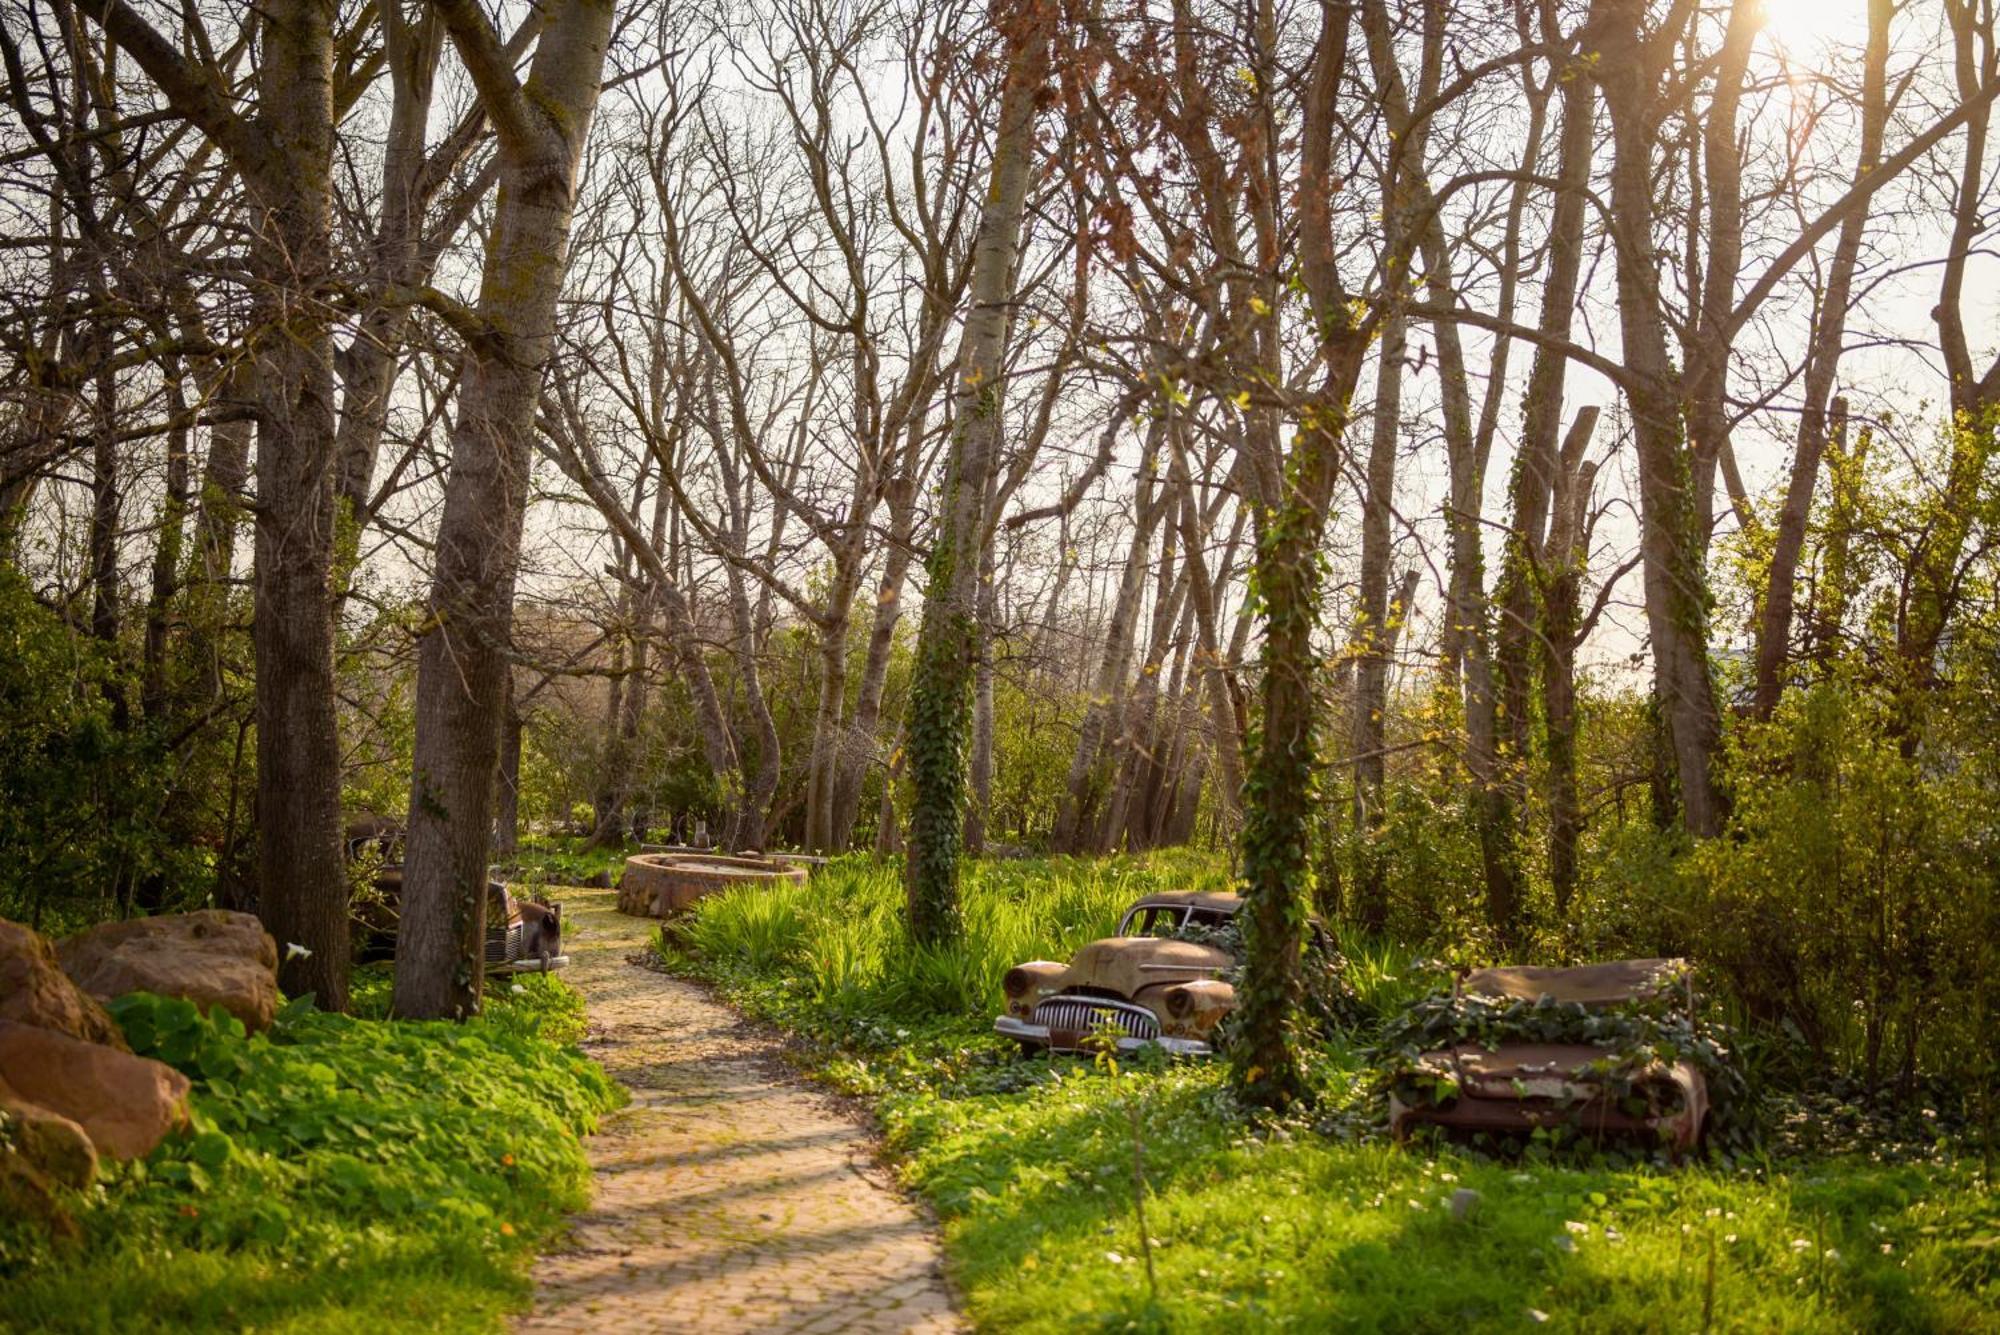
[[729, 1197]]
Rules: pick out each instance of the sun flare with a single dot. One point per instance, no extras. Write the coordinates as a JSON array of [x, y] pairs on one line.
[[1806, 23]]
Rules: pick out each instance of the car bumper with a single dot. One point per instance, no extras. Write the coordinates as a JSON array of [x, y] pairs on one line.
[[531, 965], [1026, 1031]]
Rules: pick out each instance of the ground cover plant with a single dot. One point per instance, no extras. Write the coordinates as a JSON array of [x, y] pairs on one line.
[[1315, 1221], [341, 1173]]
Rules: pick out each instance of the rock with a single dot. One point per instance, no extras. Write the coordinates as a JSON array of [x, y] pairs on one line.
[[212, 958], [34, 990], [1465, 1203], [125, 1104], [52, 1143]]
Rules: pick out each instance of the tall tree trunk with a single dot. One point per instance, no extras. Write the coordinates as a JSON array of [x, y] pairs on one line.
[[302, 885], [106, 502], [167, 551], [981, 770], [1935, 583], [1706, 383], [1671, 527], [1138, 709], [507, 799], [225, 472], [860, 746], [1774, 621], [1561, 570], [1372, 629], [822, 771], [1083, 786], [1535, 463], [463, 661], [285, 154], [947, 644]]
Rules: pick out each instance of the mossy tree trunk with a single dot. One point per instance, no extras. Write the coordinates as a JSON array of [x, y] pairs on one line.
[[940, 711], [464, 659], [1281, 788]]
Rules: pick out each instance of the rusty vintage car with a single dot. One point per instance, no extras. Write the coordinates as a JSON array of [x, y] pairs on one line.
[[1600, 1089], [1156, 982]]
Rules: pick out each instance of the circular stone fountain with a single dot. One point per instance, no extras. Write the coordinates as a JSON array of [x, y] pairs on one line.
[[658, 884]]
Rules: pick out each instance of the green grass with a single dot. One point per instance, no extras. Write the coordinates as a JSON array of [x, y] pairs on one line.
[[1317, 1224], [561, 860], [341, 1174]]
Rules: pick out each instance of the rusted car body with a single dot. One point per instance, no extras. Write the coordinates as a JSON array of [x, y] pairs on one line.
[[1596, 1089], [1157, 982], [522, 936]]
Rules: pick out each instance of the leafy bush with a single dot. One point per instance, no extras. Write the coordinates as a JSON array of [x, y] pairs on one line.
[[1853, 900], [338, 1173], [86, 826]]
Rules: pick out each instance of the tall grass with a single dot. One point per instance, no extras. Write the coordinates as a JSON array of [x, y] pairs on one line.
[[840, 939]]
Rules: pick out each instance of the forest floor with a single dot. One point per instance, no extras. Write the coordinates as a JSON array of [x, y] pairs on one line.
[[728, 1196]]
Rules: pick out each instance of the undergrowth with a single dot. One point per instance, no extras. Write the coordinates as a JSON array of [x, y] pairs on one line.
[[1319, 1222], [340, 1174]]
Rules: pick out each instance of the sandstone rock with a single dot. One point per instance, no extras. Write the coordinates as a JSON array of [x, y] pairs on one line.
[[54, 1144], [125, 1104], [212, 958], [34, 990]]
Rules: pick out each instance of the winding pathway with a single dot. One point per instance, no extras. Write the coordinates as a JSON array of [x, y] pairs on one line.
[[729, 1196]]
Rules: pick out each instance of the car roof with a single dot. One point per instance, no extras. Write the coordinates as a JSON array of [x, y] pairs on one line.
[[1215, 901]]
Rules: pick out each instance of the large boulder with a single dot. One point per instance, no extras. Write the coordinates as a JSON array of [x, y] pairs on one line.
[[125, 1104], [57, 1146], [213, 958], [34, 990]]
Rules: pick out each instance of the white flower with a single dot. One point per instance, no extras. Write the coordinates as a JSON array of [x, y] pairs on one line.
[[518, 990], [1582, 1230], [295, 951], [1537, 1315]]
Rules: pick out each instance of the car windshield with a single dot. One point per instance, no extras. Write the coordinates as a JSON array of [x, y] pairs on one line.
[[1152, 920]]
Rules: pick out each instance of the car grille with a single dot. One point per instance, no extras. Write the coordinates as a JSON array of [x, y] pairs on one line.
[[503, 944], [1084, 1015]]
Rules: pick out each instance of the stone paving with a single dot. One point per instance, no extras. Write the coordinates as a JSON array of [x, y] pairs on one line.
[[729, 1196]]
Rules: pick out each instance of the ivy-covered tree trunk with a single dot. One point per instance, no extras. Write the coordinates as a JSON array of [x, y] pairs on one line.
[[463, 663], [940, 717], [1281, 791]]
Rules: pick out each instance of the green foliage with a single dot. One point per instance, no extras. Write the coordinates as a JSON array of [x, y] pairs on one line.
[[85, 825], [1854, 900], [339, 1173], [838, 947]]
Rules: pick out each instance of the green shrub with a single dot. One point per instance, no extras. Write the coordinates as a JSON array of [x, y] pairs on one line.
[[339, 1173], [1853, 900]]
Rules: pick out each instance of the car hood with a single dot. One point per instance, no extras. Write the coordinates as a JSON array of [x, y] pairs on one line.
[[1125, 964]]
